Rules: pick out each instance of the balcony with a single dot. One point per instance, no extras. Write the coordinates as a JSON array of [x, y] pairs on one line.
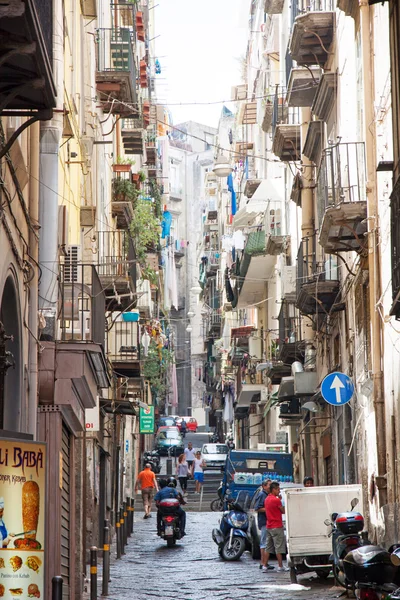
[[342, 201], [116, 268], [82, 303], [249, 385], [255, 268], [302, 86], [317, 290], [325, 96], [276, 240], [151, 153], [123, 348], [285, 129], [26, 72], [312, 35], [290, 346], [116, 71], [176, 193], [122, 203], [213, 259], [132, 136], [313, 142]]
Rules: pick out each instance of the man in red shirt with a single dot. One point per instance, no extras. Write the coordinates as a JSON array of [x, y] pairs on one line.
[[275, 532], [148, 483]]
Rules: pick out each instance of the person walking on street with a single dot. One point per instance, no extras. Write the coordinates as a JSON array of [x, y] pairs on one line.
[[183, 428], [182, 470], [148, 483], [275, 533], [262, 523], [198, 472], [190, 455]]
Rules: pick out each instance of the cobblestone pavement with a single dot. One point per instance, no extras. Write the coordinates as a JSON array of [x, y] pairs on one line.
[[192, 570]]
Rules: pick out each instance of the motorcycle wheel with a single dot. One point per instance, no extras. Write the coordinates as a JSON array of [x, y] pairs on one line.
[[255, 551], [216, 505], [235, 551], [171, 542], [339, 576]]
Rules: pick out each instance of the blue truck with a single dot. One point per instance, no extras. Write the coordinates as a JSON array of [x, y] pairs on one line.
[[245, 470]]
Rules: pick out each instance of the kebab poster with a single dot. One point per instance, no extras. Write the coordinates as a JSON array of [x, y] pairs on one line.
[[22, 502]]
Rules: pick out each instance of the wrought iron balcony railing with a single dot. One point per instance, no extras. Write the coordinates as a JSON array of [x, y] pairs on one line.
[[81, 303]]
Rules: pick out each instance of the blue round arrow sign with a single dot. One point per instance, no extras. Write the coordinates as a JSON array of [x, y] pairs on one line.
[[337, 388]]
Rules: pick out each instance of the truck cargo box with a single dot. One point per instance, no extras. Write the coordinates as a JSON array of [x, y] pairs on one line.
[[306, 511]]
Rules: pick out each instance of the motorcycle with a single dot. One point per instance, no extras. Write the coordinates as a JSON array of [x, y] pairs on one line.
[[346, 536], [170, 525], [218, 504], [232, 537], [374, 572], [153, 459]]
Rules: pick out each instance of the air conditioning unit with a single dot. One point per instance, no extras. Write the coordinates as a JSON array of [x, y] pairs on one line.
[[289, 281], [72, 272], [290, 410]]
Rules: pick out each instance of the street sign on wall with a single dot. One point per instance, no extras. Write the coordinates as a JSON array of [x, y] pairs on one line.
[[22, 505], [146, 419], [337, 389]]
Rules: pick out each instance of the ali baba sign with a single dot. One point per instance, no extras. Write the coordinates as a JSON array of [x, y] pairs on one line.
[[22, 502]]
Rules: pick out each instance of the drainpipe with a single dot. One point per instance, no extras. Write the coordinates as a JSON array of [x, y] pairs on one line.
[[366, 28], [307, 229], [34, 283], [50, 135]]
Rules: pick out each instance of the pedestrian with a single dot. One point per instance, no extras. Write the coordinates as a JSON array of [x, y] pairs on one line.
[[182, 470], [198, 471], [275, 532], [148, 483], [308, 481], [262, 522], [183, 428], [190, 455]]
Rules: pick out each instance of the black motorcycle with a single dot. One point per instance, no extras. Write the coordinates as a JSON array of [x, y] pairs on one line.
[[346, 536], [152, 458], [373, 572], [170, 524]]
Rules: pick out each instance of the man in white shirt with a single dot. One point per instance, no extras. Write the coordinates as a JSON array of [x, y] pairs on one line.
[[190, 455]]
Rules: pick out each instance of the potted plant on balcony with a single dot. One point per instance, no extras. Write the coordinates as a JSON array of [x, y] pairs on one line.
[[124, 191], [123, 165]]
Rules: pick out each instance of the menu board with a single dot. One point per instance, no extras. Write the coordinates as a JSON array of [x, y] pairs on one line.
[[22, 534]]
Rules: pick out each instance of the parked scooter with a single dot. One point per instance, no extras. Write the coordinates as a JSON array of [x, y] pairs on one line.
[[346, 536], [232, 537], [374, 572], [153, 459]]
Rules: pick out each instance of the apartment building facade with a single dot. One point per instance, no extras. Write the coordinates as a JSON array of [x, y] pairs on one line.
[[305, 231]]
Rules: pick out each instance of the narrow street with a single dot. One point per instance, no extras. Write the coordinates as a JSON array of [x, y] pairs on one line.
[[192, 569]]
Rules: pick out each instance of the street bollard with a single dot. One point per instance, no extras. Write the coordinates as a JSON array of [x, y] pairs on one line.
[[125, 529], [106, 558], [133, 512], [117, 528], [121, 531], [93, 573], [128, 508], [169, 466], [57, 588]]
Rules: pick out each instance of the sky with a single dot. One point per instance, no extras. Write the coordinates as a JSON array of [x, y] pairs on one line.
[[200, 47]]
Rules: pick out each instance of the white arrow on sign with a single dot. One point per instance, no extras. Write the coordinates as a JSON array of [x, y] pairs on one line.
[[337, 385]]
